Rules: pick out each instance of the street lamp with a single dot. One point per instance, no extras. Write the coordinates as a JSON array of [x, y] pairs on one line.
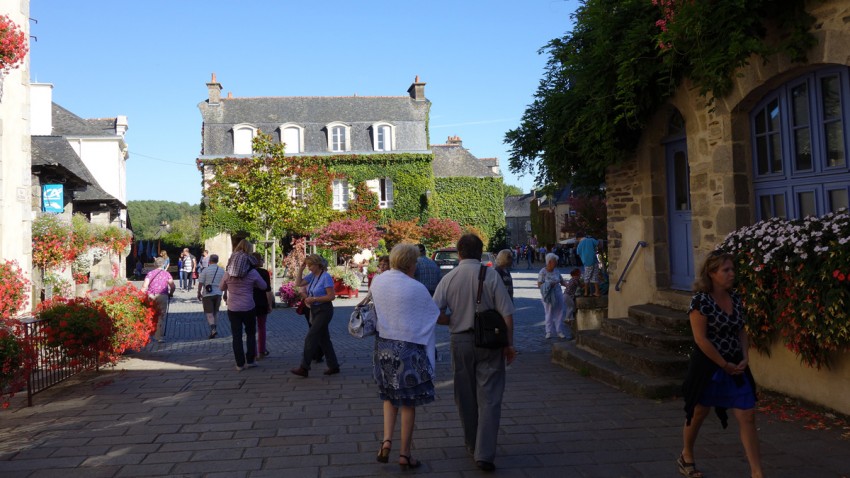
[[164, 226]]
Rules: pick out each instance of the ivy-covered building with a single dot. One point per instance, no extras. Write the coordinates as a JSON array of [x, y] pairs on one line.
[[469, 189], [379, 141]]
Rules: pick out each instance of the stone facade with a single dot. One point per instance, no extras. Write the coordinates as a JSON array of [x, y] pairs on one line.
[[15, 155], [720, 160]]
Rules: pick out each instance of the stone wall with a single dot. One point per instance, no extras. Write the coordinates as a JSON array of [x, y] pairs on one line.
[[720, 160], [15, 154]]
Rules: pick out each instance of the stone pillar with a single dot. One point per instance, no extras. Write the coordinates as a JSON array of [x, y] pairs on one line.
[[591, 312]]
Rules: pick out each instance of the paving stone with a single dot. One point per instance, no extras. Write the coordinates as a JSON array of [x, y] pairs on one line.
[[179, 409]]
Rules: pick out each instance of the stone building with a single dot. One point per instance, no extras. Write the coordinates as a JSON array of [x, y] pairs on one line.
[[15, 156], [350, 130], [776, 146]]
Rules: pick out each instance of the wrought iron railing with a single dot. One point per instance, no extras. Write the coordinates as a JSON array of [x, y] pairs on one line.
[[628, 264], [50, 365]]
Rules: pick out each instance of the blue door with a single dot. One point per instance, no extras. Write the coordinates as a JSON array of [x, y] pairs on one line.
[[679, 211]]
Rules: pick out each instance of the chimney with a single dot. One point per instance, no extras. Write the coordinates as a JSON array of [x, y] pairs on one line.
[[417, 90], [121, 125], [214, 88], [41, 109], [454, 141]]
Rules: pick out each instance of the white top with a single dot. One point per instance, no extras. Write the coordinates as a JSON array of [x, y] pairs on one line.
[[405, 310]]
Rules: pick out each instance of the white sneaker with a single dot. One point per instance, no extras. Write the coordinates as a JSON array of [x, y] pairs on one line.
[[250, 364], [239, 369], [548, 336], [562, 336]]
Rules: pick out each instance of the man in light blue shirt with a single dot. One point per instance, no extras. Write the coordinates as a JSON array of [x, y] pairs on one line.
[[586, 251]]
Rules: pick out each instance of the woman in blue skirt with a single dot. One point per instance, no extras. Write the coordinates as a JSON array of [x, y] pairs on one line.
[[404, 348], [718, 374]]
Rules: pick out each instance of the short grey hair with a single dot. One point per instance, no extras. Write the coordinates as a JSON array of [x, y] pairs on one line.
[[404, 256], [551, 257], [504, 258]]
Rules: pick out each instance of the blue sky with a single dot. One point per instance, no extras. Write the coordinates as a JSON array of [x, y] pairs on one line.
[[150, 60]]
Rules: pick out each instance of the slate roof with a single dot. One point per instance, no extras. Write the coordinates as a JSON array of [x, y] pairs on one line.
[[54, 153], [104, 125], [316, 109], [451, 160], [66, 123], [518, 206]]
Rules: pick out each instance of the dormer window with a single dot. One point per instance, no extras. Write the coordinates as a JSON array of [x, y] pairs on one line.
[[243, 136], [292, 136], [383, 135], [339, 137]]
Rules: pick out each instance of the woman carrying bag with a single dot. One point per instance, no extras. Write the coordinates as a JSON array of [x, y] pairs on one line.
[[320, 296]]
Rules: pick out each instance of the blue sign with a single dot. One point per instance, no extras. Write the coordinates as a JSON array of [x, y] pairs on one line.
[[52, 198]]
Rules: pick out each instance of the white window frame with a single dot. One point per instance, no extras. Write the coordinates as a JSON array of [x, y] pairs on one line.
[[330, 128], [300, 146], [239, 146], [297, 191], [342, 194], [389, 143], [383, 188]]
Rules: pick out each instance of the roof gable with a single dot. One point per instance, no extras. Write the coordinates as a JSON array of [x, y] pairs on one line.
[[452, 160]]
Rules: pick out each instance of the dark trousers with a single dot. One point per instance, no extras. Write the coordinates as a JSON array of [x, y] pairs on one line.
[[247, 319], [319, 337], [319, 354]]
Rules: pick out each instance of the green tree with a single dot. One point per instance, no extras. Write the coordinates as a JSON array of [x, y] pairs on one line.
[[623, 60], [267, 195], [146, 216], [511, 190]]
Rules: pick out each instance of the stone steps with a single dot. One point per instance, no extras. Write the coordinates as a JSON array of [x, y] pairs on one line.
[[645, 354]]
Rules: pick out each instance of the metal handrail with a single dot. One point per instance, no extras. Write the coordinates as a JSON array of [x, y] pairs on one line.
[[628, 264]]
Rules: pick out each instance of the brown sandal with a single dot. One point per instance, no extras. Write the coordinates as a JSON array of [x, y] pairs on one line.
[[384, 453], [411, 462], [688, 469]]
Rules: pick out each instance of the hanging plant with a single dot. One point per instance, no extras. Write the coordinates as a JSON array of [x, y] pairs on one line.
[[13, 44], [13, 289]]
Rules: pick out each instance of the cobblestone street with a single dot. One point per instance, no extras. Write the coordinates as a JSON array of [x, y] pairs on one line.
[[180, 409]]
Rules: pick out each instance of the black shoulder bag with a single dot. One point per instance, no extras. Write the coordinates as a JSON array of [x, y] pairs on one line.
[[490, 329]]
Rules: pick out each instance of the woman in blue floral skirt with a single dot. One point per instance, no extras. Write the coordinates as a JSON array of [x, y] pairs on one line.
[[404, 348]]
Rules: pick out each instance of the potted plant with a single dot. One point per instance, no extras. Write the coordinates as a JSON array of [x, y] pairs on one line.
[[79, 326], [288, 294], [133, 315], [346, 281], [13, 45]]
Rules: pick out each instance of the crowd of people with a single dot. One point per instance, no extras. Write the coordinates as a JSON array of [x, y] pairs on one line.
[[411, 299]]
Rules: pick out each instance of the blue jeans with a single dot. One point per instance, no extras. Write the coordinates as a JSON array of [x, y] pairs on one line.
[[184, 279], [248, 319]]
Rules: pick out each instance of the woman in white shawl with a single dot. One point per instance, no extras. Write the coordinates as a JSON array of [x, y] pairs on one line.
[[404, 348], [549, 281]]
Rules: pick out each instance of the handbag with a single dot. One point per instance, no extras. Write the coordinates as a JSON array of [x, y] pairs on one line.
[[490, 329], [301, 308], [194, 274], [364, 319]]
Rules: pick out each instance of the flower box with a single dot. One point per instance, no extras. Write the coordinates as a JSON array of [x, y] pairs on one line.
[[342, 290]]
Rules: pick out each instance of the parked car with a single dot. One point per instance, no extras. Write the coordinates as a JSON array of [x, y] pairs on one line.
[[488, 259], [446, 259]]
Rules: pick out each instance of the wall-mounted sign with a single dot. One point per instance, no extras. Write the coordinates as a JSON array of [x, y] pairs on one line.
[[52, 198]]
